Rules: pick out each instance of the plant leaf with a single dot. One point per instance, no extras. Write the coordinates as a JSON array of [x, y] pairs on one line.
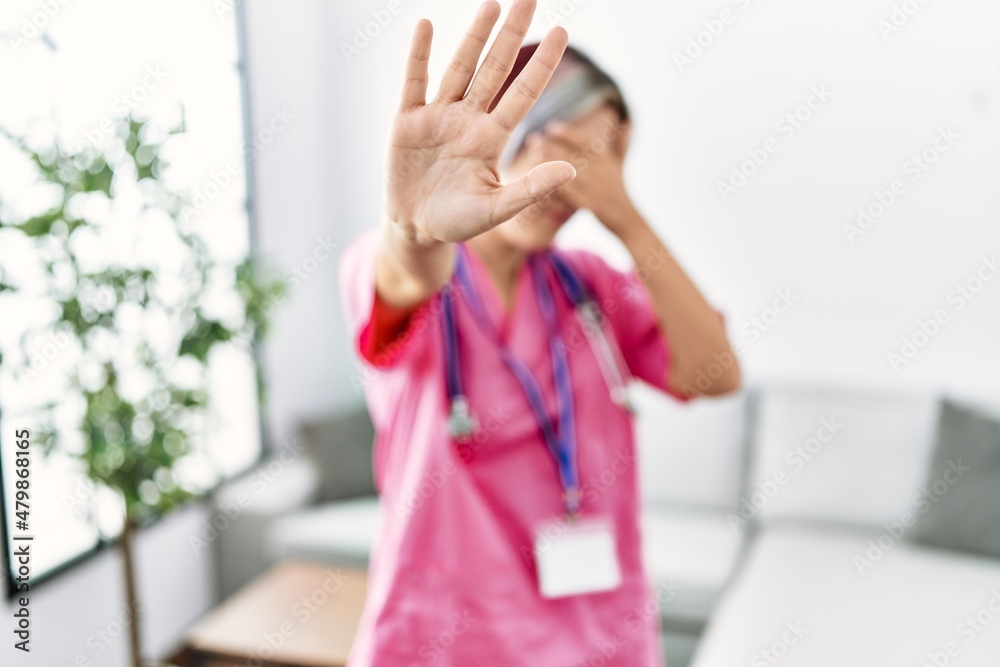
[[41, 224]]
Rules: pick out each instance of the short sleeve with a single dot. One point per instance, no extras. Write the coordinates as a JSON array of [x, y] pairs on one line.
[[629, 309], [357, 287]]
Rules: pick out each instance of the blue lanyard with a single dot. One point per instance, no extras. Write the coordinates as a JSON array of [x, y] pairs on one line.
[[570, 282], [560, 439]]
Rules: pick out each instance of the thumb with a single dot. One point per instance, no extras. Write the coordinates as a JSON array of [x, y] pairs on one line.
[[533, 187]]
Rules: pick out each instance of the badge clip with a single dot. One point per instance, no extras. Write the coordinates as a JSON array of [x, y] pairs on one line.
[[571, 500]]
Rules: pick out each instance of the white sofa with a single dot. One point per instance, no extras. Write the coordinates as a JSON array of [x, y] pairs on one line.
[[831, 576], [756, 507]]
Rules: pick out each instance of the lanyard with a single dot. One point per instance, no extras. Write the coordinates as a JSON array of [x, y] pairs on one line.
[[560, 439]]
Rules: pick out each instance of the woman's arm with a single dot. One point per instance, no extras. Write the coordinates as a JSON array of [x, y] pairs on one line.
[[702, 359], [441, 182]]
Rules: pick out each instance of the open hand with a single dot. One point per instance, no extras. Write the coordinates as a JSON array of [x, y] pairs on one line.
[[442, 179]]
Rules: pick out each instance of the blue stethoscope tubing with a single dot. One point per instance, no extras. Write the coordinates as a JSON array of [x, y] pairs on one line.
[[560, 439]]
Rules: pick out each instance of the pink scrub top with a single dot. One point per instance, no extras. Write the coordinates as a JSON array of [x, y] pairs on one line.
[[451, 578]]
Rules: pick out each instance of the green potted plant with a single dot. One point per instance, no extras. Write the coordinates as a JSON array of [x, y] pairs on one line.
[[136, 334]]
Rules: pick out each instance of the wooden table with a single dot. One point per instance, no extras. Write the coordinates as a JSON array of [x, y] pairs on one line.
[[296, 614]]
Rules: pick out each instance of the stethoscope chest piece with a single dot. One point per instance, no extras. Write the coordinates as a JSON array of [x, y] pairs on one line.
[[461, 422]]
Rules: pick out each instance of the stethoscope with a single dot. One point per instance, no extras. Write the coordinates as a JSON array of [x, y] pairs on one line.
[[560, 437]]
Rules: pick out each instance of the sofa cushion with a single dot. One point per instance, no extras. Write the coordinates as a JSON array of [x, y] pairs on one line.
[[689, 554], [963, 484], [838, 454], [705, 435], [341, 444], [339, 533], [805, 598]]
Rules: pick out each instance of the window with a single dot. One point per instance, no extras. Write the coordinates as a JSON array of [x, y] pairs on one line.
[[66, 70]]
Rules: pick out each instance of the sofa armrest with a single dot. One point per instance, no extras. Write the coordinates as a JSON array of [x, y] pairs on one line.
[[243, 509]]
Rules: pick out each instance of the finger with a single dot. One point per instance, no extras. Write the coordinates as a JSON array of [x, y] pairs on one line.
[[533, 187], [564, 148], [552, 150], [463, 63], [528, 85], [531, 213], [415, 84], [500, 60], [533, 141], [558, 133]]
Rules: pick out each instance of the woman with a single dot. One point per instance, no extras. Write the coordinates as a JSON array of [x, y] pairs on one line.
[[499, 406]]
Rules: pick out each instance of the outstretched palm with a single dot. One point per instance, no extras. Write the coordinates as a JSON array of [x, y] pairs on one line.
[[442, 178]]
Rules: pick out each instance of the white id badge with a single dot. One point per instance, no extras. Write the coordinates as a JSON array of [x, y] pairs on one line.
[[576, 557]]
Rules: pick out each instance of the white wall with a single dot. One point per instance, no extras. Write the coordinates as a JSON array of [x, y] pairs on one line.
[[784, 230], [300, 199]]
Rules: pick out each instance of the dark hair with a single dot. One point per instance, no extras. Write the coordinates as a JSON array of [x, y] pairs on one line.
[[576, 86]]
